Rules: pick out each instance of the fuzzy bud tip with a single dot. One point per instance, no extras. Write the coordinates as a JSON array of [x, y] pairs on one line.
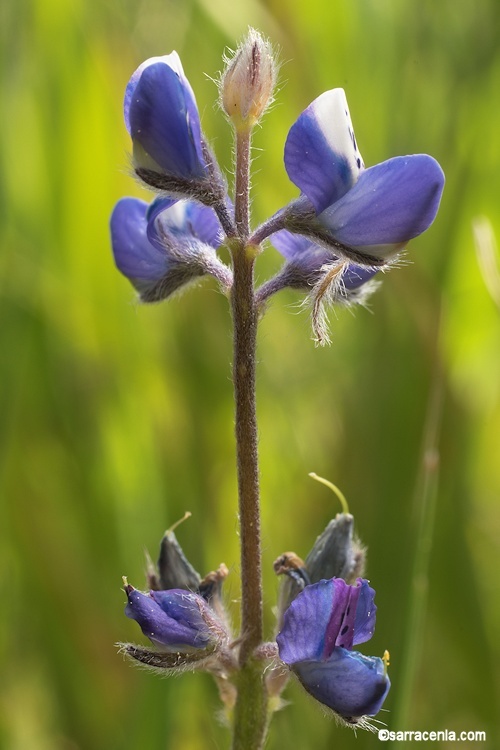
[[247, 83]]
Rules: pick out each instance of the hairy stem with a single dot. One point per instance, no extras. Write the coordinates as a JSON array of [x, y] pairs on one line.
[[274, 224], [225, 219], [250, 713], [250, 710], [245, 330], [242, 196]]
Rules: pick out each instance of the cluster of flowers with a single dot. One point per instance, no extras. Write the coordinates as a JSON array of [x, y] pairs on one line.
[[347, 223], [320, 618]]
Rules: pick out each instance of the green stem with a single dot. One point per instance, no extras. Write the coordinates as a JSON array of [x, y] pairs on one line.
[[250, 713]]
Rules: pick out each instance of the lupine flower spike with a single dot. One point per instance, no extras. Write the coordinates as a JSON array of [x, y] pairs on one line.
[[347, 224]]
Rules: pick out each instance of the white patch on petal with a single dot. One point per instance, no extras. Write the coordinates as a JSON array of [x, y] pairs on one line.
[[333, 118], [172, 60], [174, 217], [142, 160]]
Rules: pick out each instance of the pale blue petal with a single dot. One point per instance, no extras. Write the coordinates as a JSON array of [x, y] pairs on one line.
[[158, 207], [364, 624], [349, 683], [139, 260], [290, 245], [203, 224], [301, 250], [355, 276], [307, 255], [389, 205], [183, 217]]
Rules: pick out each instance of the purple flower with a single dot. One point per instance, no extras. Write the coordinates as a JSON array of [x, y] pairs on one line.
[[320, 627], [174, 619], [162, 247], [365, 215], [306, 258], [162, 118]]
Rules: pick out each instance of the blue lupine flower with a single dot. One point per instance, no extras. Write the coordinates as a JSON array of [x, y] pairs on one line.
[[308, 258], [162, 247], [320, 627], [174, 619], [367, 215], [162, 118]]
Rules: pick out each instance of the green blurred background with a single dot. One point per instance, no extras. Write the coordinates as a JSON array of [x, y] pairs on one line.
[[115, 419]]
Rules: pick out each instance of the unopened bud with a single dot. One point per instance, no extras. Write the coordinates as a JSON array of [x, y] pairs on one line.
[[210, 588], [335, 554], [247, 84], [175, 570]]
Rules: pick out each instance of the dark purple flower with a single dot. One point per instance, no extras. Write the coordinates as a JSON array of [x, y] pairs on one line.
[[174, 571], [175, 619], [162, 118], [164, 246], [320, 627], [371, 212]]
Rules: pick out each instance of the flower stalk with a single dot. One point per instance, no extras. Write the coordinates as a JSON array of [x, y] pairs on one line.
[[242, 200], [250, 715], [245, 332], [250, 710], [246, 88]]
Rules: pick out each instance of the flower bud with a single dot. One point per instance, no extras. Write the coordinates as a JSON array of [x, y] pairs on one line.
[[184, 629], [175, 570], [336, 553], [175, 619], [247, 84]]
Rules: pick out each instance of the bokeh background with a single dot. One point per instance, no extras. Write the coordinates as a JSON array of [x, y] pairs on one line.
[[116, 419]]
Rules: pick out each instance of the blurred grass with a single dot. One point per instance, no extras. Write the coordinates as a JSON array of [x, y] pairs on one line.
[[116, 419]]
